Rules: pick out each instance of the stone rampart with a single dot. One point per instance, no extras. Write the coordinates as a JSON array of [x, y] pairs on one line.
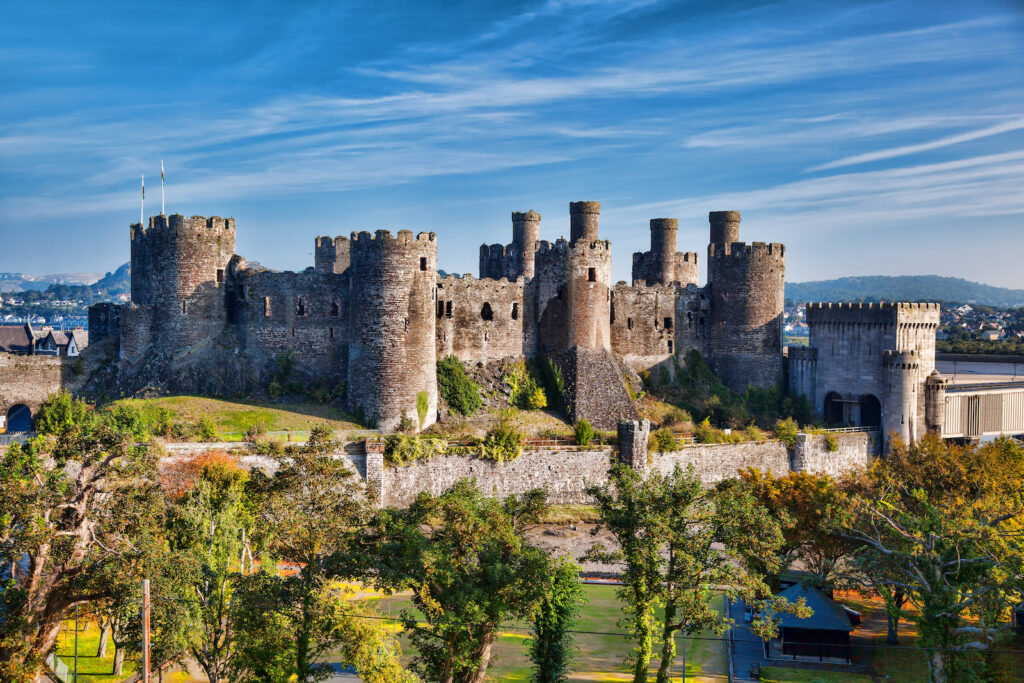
[[853, 450], [479, 320], [714, 462]]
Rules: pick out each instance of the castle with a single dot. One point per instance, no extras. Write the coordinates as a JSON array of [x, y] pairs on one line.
[[374, 313]]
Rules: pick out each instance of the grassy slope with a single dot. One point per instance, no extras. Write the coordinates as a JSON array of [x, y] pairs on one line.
[[599, 657], [234, 418], [776, 674]]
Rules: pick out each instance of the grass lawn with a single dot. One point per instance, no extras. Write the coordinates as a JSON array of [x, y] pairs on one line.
[[778, 674], [234, 418], [92, 669], [599, 656]]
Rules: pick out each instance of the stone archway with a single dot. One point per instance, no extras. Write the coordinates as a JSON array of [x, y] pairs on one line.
[[19, 418], [870, 411], [833, 411]]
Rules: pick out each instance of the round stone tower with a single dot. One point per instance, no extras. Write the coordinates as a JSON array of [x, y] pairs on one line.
[[663, 249], [525, 235], [178, 272], [900, 406], [935, 402], [583, 218], [590, 275], [746, 300], [392, 357]]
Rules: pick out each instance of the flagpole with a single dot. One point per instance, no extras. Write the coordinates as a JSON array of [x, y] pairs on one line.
[[142, 202], [161, 187]]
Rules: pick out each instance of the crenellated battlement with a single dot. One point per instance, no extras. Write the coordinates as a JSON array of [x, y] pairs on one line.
[[179, 224], [467, 280], [326, 242], [882, 306], [380, 238], [803, 353], [744, 251], [901, 360], [688, 256]]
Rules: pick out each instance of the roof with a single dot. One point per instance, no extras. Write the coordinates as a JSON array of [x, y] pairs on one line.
[[60, 338], [15, 339], [828, 615], [81, 338]]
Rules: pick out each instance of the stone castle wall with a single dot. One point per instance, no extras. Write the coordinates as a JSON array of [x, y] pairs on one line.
[[855, 450], [480, 320], [643, 323]]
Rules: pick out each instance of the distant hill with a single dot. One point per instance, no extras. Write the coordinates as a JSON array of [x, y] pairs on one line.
[[20, 282], [904, 288]]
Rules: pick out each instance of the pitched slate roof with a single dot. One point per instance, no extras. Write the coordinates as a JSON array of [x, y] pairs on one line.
[[828, 615], [81, 338], [15, 339]]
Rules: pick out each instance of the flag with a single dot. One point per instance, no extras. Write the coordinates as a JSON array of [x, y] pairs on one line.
[[161, 171], [143, 185]]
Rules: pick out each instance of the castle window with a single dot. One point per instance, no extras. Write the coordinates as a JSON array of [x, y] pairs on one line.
[[334, 310], [220, 276], [558, 295], [670, 346], [330, 333], [448, 309], [300, 306], [423, 262], [406, 324], [668, 323], [486, 313], [183, 307], [515, 310], [591, 274], [440, 309], [629, 323], [266, 307], [611, 309]]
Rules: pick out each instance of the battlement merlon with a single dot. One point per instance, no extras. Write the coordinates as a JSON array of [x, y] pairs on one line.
[[384, 237], [901, 360], [890, 313], [326, 241], [179, 223], [744, 251]]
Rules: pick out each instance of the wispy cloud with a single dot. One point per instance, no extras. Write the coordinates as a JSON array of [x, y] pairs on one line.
[[905, 150]]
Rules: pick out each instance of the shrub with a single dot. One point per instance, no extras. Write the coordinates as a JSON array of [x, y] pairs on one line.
[[537, 400], [459, 391], [705, 433], [255, 433], [786, 431], [831, 443], [127, 419], [405, 423], [502, 442], [206, 430], [676, 416], [754, 433], [402, 449], [62, 411], [422, 406], [554, 383], [584, 433], [663, 440]]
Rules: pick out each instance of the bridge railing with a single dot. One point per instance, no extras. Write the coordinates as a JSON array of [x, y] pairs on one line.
[[15, 437]]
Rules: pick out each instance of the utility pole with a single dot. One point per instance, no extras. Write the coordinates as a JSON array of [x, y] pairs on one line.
[[76, 644], [145, 631]]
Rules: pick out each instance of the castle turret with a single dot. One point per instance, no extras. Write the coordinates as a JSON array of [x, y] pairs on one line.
[[663, 264], [935, 402], [392, 356], [525, 235], [178, 273], [583, 218], [746, 286], [331, 254], [899, 408], [590, 274]]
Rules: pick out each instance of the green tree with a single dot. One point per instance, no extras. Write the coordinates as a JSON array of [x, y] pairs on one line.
[[551, 648], [208, 526], [311, 506], [464, 558], [584, 432], [62, 412], [69, 509], [945, 522], [681, 544], [459, 391]]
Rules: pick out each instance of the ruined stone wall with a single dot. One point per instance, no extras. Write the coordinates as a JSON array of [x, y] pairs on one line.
[[690, 319], [279, 312], [565, 473], [595, 387], [104, 321], [30, 379], [392, 353], [331, 254], [714, 462], [746, 292], [479, 320], [643, 323], [551, 295], [855, 450]]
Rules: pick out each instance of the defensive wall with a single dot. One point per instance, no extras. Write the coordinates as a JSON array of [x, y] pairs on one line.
[[480, 320], [29, 380], [566, 472]]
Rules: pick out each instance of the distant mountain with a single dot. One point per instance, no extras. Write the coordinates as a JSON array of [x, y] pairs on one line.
[[904, 288], [20, 282]]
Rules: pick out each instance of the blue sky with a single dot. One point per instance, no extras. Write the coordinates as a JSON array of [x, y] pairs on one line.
[[870, 137]]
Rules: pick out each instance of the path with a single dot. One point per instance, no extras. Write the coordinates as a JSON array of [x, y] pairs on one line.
[[748, 648]]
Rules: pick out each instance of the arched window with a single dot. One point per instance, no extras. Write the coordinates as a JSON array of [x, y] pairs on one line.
[[515, 310], [870, 411], [335, 309], [19, 418], [300, 306], [834, 408], [486, 313]]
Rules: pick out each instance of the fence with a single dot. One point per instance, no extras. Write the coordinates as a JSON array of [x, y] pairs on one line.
[[59, 669], [15, 437]]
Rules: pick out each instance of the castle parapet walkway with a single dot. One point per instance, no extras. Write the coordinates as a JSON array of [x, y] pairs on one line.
[[973, 411]]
